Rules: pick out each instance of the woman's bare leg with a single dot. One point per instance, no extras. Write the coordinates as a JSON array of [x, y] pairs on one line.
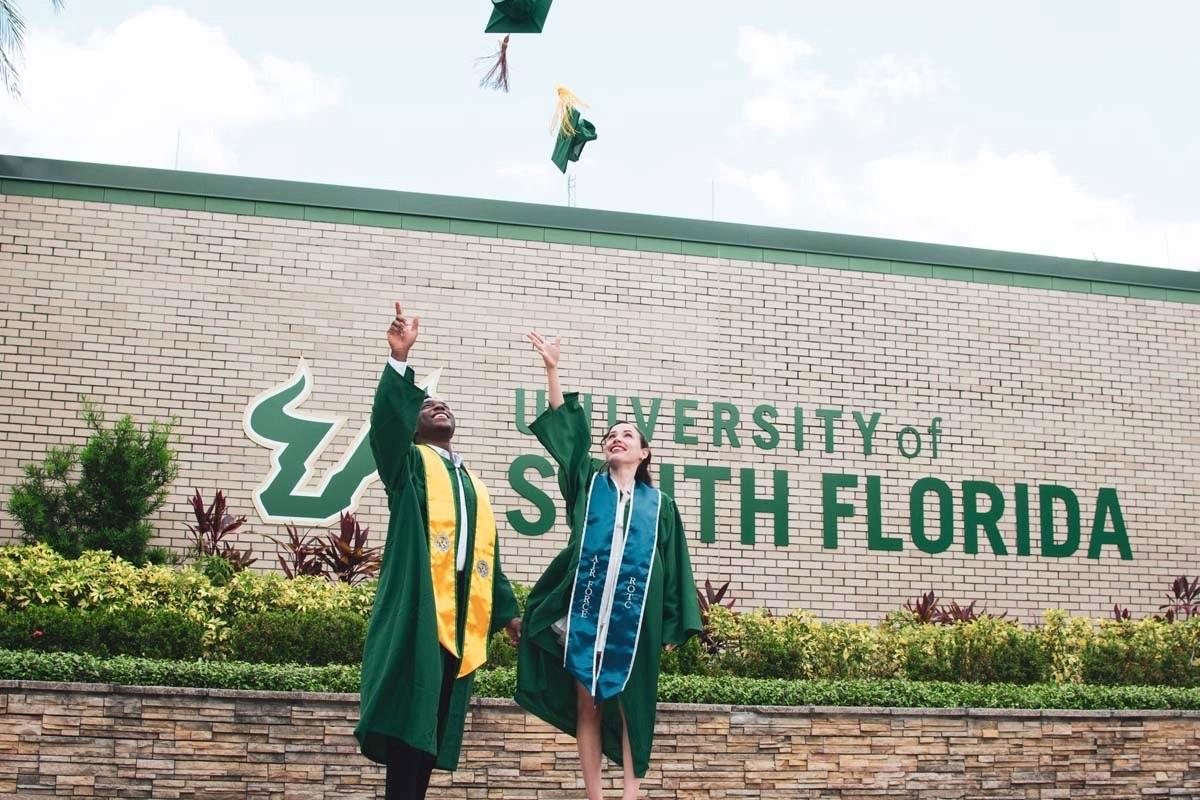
[[632, 782], [587, 738]]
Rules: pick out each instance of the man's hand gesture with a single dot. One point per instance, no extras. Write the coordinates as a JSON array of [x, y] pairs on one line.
[[402, 333]]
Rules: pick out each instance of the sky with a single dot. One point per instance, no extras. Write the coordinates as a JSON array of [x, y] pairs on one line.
[[1067, 128]]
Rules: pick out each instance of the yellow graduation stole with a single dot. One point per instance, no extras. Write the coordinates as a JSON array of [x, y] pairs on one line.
[[443, 549]]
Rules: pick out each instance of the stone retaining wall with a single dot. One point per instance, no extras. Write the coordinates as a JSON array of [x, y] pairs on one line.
[[90, 740]]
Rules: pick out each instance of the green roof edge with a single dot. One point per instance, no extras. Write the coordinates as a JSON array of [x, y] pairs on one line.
[[629, 230]]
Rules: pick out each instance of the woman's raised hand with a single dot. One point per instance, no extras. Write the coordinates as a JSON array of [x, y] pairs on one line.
[[548, 348]]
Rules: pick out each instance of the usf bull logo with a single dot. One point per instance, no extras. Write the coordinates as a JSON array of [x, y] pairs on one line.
[[297, 440]]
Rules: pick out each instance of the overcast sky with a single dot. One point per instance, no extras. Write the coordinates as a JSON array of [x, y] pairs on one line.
[[1066, 127]]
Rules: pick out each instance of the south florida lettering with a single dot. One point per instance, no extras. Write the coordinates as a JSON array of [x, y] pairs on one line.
[[940, 514]]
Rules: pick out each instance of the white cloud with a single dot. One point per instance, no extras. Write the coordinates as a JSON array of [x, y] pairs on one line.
[[1018, 201], [769, 55], [768, 187], [776, 111], [122, 95], [899, 77], [796, 98]]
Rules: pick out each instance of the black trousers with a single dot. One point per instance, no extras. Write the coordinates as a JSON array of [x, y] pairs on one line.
[[409, 769]]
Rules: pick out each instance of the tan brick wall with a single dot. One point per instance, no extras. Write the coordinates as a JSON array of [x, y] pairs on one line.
[[81, 740], [160, 312]]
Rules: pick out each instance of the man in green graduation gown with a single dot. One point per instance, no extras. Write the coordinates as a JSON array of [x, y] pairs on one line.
[[441, 592]]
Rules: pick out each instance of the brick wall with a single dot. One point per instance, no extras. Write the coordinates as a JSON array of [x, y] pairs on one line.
[[85, 740], [160, 312]]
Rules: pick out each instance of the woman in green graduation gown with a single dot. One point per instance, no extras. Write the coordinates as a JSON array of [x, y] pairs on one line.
[[621, 591]]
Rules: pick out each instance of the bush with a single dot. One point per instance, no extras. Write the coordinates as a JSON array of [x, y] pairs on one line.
[[918, 694], [798, 646], [521, 594], [756, 644], [690, 659], [129, 671], [500, 652], [135, 632], [1148, 652], [46, 502], [987, 650], [218, 569], [123, 474], [1064, 639], [213, 526], [35, 575], [312, 620], [299, 637], [125, 670]]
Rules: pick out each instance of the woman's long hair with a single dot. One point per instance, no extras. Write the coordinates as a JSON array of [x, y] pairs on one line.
[[643, 471]]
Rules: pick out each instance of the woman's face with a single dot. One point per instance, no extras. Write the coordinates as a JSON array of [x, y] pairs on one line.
[[623, 445]]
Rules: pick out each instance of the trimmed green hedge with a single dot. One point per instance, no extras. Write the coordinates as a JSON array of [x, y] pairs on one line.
[[335, 636], [143, 632], [270, 619], [129, 671], [26, 665], [919, 694]]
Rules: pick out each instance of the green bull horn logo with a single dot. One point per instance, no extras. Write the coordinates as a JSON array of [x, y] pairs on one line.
[[296, 441]]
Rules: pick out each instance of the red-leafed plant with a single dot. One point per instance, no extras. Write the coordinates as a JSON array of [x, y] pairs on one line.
[[926, 611], [1183, 601], [214, 525], [954, 613], [708, 598], [924, 608], [300, 555], [346, 553]]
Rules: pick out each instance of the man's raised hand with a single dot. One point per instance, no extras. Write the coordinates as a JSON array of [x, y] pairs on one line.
[[402, 333]]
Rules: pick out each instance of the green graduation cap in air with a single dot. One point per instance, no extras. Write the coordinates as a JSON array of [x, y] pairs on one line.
[[573, 131], [509, 17], [518, 16]]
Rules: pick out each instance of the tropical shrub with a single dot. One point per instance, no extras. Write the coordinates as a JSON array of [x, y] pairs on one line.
[[150, 633], [100, 496], [298, 637]]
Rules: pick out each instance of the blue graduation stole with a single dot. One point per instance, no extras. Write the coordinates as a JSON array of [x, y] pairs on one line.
[[601, 663]]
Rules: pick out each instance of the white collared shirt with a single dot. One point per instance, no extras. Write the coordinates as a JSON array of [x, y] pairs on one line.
[[457, 461]]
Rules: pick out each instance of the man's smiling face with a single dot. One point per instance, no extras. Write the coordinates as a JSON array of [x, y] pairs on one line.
[[435, 422]]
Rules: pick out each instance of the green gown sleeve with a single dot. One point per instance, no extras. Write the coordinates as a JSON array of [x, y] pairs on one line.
[[565, 432], [681, 609], [504, 602], [393, 423]]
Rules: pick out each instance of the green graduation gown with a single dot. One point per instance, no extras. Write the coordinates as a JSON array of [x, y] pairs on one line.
[[671, 616], [402, 661]]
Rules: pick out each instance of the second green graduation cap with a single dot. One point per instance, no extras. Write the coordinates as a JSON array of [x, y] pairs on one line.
[[569, 144], [518, 16]]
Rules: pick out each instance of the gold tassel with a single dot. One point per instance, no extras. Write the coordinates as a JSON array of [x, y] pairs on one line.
[[567, 101]]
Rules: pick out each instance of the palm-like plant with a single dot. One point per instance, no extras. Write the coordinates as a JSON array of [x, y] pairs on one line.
[[708, 598], [347, 555], [12, 43]]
